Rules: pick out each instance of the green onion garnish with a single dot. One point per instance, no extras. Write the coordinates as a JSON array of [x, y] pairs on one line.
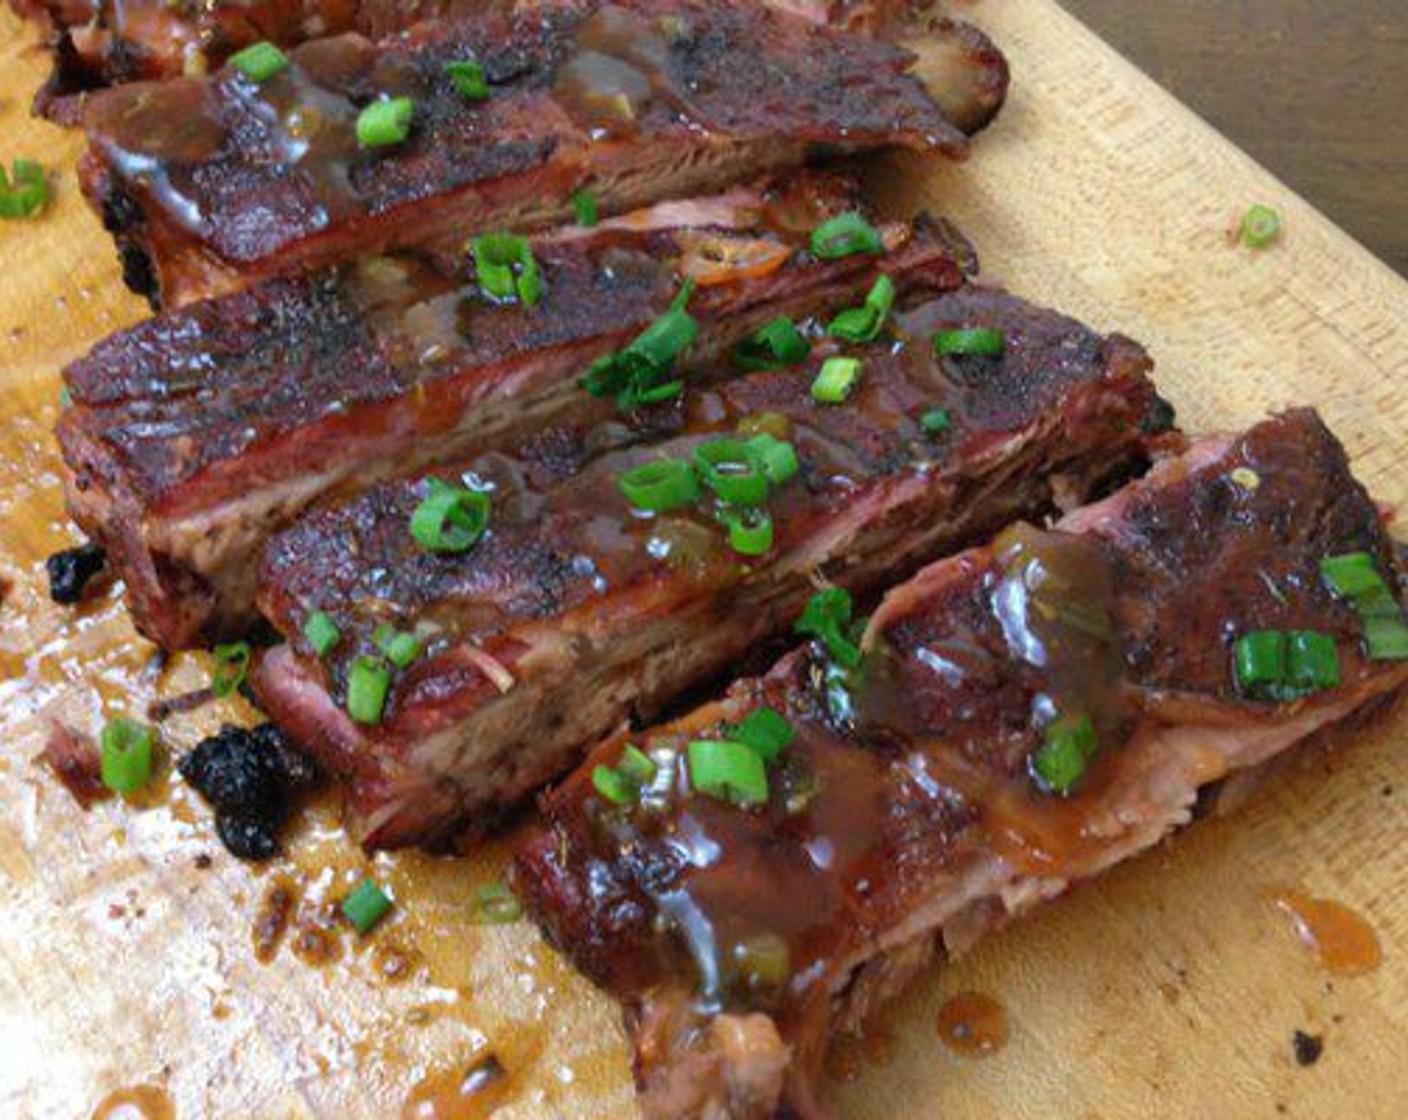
[[125, 755], [450, 518], [367, 686], [660, 486], [231, 668], [728, 771], [612, 786], [622, 784], [639, 374], [506, 269], [765, 732], [1259, 661], [321, 633], [1352, 574], [772, 346], [585, 208], [1068, 746], [1280, 666], [936, 421], [728, 467], [468, 78], [836, 381], [24, 193], [845, 236], [750, 531], [1312, 662], [862, 324], [260, 62], [636, 765], [1356, 577], [777, 458], [1261, 225], [970, 342], [386, 122], [366, 906], [399, 647], [1386, 639], [495, 904], [828, 616]]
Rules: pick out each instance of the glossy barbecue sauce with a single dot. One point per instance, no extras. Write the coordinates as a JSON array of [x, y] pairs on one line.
[[973, 1024], [1342, 940]]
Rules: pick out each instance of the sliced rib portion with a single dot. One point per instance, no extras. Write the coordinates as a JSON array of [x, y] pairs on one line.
[[574, 611], [209, 183], [194, 436], [919, 805]]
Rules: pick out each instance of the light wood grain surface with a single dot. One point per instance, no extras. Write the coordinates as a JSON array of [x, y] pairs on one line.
[[1171, 989]]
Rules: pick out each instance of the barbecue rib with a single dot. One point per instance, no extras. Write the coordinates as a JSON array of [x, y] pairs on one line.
[[908, 816], [574, 612], [194, 436], [210, 183]]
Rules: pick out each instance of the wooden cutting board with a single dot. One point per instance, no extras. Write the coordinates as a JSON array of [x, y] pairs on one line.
[[1171, 989]]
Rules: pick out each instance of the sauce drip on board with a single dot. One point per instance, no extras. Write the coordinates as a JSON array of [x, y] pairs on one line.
[[973, 1024], [1342, 940], [466, 1091], [138, 1102]]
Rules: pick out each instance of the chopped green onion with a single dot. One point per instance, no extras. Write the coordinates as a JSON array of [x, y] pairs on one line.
[[1312, 662], [384, 123], [612, 786], [750, 531], [505, 268], [772, 346], [727, 771], [1280, 666], [450, 518], [260, 62], [828, 616], [936, 421], [1068, 746], [366, 906], [495, 905], [367, 686], [638, 374], [765, 732], [1261, 225], [1259, 662], [862, 324], [970, 341], [125, 755], [231, 667], [468, 78], [622, 784], [321, 633], [845, 236], [65, 398], [660, 486], [399, 647], [584, 206], [728, 467], [1352, 574], [23, 194], [777, 458], [636, 765], [836, 381], [1386, 639]]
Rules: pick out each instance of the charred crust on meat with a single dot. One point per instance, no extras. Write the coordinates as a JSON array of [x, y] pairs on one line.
[[1162, 417], [72, 572], [1307, 1047]]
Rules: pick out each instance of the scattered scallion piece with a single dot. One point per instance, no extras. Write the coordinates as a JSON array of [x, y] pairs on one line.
[[468, 79], [845, 236], [322, 633], [1281, 666], [612, 786], [750, 531], [1259, 661], [366, 906], [772, 346], [126, 755], [494, 905], [935, 421], [385, 123], [450, 518], [1312, 662], [259, 62], [622, 784], [1386, 639], [836, 381], [1068, 746], [863, 324], [765, 732], [231, 668], [970, 342], [399, 647], [1355, 576], [640, 374], [727, 771], [585, 208], [24, 192], [1261, 225], [660, 486], [1352, 574], [729, 468], [367, 686], [828, 616], [506, 269], [777, 458]]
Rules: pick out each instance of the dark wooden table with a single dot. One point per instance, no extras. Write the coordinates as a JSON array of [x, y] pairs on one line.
[[1315, 90]]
